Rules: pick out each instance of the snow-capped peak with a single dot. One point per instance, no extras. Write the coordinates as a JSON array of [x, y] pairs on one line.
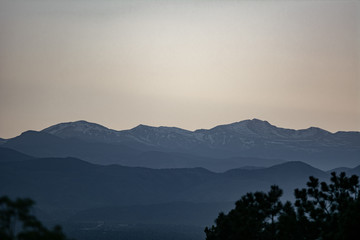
[[78, 127]]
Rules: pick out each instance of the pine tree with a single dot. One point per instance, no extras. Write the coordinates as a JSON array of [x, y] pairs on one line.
[[17, 222]]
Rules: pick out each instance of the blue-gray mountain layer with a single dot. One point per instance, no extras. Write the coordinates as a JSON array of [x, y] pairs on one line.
[[250, 142]]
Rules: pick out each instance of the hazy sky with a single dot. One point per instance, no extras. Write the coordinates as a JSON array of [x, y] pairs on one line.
[[191, 64]]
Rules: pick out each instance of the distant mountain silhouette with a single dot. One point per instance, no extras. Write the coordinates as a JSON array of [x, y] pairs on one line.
[[355, 170], [220, 135], [248, 138], [160, 147], [64, 186], [339, 169], [42, 144], [10, 155], [157, 159]]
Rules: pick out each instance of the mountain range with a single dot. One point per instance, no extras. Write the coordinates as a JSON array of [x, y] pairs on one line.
[[70, 189], [162, 182], [245, 143]]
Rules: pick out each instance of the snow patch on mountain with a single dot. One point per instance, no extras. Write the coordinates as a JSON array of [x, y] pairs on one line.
[[78, 129]]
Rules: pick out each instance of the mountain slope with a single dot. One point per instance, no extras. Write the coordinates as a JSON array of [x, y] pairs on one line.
[[70, 184], [354, 171], [10, 155], [42, 144], [234, 133], [244, 139]]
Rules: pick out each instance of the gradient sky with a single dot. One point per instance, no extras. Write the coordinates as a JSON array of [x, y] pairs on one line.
[[191, 64]]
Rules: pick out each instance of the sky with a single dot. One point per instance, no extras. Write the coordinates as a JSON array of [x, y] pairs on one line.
[[191, 64]]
